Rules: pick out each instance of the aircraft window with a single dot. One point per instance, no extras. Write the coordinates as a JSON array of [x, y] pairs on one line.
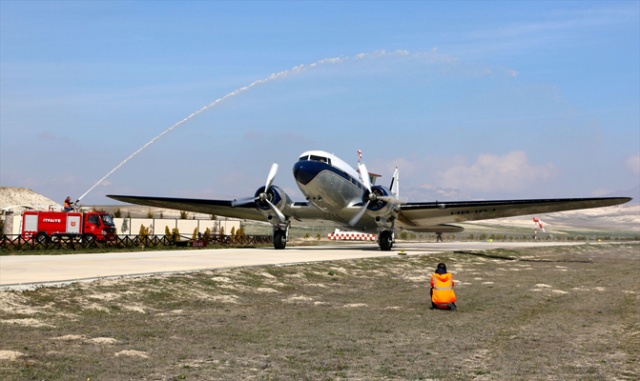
[[318, 158], [304, 158]]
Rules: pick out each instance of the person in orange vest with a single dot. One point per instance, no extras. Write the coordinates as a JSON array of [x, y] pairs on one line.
[[67, 204], [442, 294]]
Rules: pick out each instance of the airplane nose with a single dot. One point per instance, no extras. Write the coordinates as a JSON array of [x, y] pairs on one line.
[[305, 171]]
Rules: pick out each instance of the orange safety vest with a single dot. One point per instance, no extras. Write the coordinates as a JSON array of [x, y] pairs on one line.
[[442, 285]]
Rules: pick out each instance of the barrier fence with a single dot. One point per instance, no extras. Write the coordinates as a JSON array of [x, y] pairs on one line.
[[18, 243]]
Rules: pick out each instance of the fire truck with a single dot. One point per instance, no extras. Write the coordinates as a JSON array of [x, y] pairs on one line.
[[43, 226]]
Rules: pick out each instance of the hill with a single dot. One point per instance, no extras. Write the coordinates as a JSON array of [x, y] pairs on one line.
[[18, 199]]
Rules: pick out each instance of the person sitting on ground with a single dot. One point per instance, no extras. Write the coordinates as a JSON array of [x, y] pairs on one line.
[[442, 294], [67, 204]]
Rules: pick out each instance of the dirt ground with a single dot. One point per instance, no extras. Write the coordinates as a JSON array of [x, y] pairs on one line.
[[553, 313]]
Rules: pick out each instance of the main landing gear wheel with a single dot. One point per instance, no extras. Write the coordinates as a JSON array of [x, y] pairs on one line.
[[279, 239], [385, 240]]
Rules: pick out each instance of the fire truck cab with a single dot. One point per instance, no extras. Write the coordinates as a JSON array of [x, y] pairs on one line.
[[44, 226]]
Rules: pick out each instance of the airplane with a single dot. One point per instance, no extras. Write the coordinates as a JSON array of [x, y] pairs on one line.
[[342, 196]]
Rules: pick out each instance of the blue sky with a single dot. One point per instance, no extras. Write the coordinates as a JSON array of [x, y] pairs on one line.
[[469, 99]]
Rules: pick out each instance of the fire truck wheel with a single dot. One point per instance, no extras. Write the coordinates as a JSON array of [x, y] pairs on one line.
[[89, 239], [42, 237]]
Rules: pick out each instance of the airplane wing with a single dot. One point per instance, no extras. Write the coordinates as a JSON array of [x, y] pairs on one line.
[[418, 216], [415, 216], [249, 211]]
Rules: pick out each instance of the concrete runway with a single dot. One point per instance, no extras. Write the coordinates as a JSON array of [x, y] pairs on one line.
[[29, 271]]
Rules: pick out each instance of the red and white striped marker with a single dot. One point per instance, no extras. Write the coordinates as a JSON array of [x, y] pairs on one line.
[[351, 236]]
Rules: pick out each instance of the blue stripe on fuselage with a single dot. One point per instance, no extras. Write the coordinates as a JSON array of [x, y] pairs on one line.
[[306, 170]]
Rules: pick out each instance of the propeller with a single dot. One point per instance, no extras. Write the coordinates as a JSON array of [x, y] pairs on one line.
[[372, 196], [395, 183], [359, 215], [264, 195], [364, 176], [272, 175]]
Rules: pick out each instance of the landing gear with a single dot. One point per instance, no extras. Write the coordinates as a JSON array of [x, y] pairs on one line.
[[279, 239], [385, 240], [280, 236]]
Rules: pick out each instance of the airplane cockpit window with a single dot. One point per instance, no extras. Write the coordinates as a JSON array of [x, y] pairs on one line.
[[321, 159]]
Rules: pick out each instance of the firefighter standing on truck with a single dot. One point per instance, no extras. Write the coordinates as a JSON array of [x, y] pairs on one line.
[[67, 204], [442, 294]]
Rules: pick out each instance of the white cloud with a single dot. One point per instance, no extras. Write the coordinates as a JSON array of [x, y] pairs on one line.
[[633, 164], [510, 172]]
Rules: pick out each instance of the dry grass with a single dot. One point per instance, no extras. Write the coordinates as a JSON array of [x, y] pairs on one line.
[[569, 313]]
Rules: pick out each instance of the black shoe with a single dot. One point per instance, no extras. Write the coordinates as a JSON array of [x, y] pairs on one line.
[[452, 307]]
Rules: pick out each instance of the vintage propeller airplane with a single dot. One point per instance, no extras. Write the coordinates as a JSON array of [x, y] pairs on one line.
[[340, 195]]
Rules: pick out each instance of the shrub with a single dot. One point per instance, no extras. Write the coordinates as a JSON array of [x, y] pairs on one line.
[[125, 226], [144, 232]]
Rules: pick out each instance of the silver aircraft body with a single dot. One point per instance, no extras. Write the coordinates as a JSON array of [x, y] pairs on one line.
[[342, 196]]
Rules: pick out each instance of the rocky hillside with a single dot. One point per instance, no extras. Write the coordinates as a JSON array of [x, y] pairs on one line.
[[18, 199]]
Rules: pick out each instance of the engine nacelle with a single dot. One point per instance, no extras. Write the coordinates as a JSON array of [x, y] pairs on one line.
[[381, 209], [375, 204], [274, 195]]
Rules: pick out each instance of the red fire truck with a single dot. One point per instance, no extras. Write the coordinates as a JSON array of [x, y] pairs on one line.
[[46, 225]]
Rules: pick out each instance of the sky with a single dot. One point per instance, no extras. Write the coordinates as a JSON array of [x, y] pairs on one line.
[[470, 100]]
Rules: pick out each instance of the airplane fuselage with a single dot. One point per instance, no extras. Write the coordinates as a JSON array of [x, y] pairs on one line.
[[331, 185]]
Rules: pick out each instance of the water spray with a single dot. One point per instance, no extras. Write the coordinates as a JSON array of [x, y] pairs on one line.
[[283, 74]]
